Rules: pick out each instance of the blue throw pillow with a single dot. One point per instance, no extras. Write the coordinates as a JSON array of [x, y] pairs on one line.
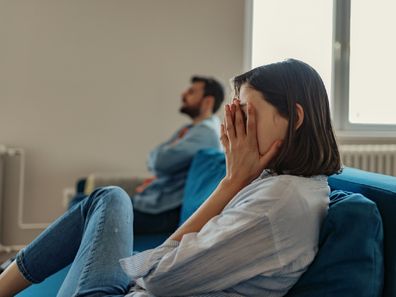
[[382, 190], [206, 171], [350, 258]]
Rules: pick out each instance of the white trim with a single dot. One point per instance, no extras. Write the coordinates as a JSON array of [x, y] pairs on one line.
[[366, 135]]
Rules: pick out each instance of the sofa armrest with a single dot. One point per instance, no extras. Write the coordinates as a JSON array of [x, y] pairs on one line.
[[128, 183]]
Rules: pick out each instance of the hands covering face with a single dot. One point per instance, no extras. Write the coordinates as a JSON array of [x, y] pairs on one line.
[[239, 139]]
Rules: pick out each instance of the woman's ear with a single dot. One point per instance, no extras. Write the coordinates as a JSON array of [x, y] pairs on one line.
[[300, 115]]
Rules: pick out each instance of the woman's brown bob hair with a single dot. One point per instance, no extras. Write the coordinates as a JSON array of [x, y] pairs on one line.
[[312, 148]]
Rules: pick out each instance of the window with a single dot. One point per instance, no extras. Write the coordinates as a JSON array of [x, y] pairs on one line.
[[350, 44], [287, 29], [372, 78]]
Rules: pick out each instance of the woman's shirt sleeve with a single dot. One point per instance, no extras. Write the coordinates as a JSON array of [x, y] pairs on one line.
[[232, 247]]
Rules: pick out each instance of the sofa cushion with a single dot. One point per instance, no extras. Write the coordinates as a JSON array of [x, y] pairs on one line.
[[144, 242], [206, 171], [48, 288], [382, 190], [350, 257]]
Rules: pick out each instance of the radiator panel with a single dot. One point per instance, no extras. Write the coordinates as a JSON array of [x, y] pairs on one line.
[[370, 157]]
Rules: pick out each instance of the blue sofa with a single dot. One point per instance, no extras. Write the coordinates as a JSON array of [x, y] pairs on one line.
[[357, 240]]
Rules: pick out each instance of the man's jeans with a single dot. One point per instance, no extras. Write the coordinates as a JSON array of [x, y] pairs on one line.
[[93, 235]]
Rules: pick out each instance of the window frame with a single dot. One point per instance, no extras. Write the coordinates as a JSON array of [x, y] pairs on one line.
[[340, 73]]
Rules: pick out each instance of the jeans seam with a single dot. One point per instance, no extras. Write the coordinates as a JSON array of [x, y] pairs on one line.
[[84, 273], [22, 268]]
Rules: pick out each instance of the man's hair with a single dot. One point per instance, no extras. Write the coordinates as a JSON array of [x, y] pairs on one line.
[[312, 148], [212, 88]]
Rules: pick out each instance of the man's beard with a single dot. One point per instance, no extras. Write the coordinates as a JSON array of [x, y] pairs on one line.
[[192, 111]]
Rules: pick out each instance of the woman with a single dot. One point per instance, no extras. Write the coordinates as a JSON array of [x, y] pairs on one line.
[[254, 236]]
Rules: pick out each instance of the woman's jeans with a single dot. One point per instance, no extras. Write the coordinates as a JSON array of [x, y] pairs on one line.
[[146, 223], [93, 236]]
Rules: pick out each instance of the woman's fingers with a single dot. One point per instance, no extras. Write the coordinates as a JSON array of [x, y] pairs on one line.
[[229, 123], [223, 138], [234, 122], [232, 108], [239, 122]]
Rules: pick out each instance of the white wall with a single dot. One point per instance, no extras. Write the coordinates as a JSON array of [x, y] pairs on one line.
[[91, 86]]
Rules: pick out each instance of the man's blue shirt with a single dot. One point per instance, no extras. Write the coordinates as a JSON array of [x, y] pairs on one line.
[[170, 162]]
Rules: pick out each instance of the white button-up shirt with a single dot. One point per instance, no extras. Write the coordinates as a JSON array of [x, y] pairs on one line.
[[259, 245]]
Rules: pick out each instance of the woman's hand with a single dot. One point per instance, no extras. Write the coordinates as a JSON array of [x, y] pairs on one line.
[[243, 160]]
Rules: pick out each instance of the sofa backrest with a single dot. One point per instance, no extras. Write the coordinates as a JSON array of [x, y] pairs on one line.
[[206, 171], [382, 190]]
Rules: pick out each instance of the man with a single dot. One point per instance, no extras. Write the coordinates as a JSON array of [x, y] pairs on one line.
[[158, 199], [157, 203]]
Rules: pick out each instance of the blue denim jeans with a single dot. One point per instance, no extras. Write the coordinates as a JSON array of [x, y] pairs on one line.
[[93, 236], [146, 223]]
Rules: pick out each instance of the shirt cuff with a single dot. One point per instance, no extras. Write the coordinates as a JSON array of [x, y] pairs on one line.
[[140, 264]]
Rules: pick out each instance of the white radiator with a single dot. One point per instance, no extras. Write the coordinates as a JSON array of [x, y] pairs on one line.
[[5, 154], [370, 157]]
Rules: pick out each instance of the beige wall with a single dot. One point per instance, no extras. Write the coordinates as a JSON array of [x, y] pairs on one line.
[[91, 86]]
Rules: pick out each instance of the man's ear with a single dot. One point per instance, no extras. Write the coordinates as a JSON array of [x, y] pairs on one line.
[[300, 115], [208, 103]]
